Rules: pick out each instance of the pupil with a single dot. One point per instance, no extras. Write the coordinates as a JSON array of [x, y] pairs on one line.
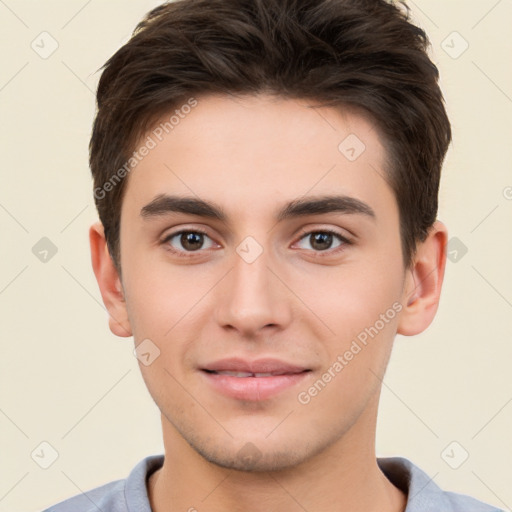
[[325, 238], [191, 240]]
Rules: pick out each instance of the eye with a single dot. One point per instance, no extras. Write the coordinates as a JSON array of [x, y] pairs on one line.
[[322, 240], [187, 241]]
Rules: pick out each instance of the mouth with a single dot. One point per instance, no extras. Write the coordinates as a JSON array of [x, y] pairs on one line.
[[253, 380], [250, 374]]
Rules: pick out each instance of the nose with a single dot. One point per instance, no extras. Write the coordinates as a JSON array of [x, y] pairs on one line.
[[252, 297]]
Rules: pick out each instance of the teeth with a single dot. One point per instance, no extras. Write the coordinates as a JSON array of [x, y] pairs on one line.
[[236, 374]]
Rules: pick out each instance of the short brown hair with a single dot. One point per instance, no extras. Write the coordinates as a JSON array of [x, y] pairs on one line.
[[363, 54]]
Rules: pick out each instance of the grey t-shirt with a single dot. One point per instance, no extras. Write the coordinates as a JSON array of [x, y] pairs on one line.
[[131, 495]]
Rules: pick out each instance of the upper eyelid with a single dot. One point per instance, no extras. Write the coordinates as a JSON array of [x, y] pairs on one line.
[[171, 233], [308, 231]]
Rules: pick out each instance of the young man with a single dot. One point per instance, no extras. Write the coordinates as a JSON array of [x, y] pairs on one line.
[[266, 174]]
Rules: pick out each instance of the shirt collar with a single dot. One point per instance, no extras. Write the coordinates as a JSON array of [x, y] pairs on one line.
[[423, 494]]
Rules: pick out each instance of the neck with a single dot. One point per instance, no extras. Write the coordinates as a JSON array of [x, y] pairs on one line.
[[344, 477]]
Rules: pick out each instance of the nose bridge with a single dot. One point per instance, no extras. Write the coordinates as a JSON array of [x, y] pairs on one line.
[[251, 270], [252, 297]]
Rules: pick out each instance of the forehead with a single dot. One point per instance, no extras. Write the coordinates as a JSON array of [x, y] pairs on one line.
[[248, 151]]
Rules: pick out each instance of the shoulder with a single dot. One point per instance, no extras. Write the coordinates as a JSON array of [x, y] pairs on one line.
[[117, 496], [423, 494], [108, 498], [463, 503]]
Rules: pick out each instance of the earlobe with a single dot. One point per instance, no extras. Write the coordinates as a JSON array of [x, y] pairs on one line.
[[423, 283], [109, 282]]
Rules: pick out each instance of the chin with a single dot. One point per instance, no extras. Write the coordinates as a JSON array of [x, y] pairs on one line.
[[251, 459], [258, 454]]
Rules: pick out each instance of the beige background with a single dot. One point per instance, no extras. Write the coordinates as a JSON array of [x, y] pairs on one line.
[[66, 380]]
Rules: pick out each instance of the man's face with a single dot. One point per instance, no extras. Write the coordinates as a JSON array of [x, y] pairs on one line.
[[261, 293]]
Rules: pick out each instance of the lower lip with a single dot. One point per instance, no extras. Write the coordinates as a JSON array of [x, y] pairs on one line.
[[253, 388]]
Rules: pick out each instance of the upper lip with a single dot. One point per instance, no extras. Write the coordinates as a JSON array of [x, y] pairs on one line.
[[264, 365]]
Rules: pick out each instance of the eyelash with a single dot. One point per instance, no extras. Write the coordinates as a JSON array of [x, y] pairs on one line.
[[189, 254]]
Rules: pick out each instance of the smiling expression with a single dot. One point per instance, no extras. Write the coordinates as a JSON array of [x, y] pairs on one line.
[[252, 244]]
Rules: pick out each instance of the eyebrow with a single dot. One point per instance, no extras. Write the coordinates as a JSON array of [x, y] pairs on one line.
[[164, 204]]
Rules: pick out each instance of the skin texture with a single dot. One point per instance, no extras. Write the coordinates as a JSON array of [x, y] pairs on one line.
[[295, 302]]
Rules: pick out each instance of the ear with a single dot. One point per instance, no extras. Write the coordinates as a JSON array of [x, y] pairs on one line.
[[109, 282], [423, 282]]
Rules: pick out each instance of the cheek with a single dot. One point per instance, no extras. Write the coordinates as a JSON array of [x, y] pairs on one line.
[[362, 312], [171, 307], [347, 299], [159, 294]]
